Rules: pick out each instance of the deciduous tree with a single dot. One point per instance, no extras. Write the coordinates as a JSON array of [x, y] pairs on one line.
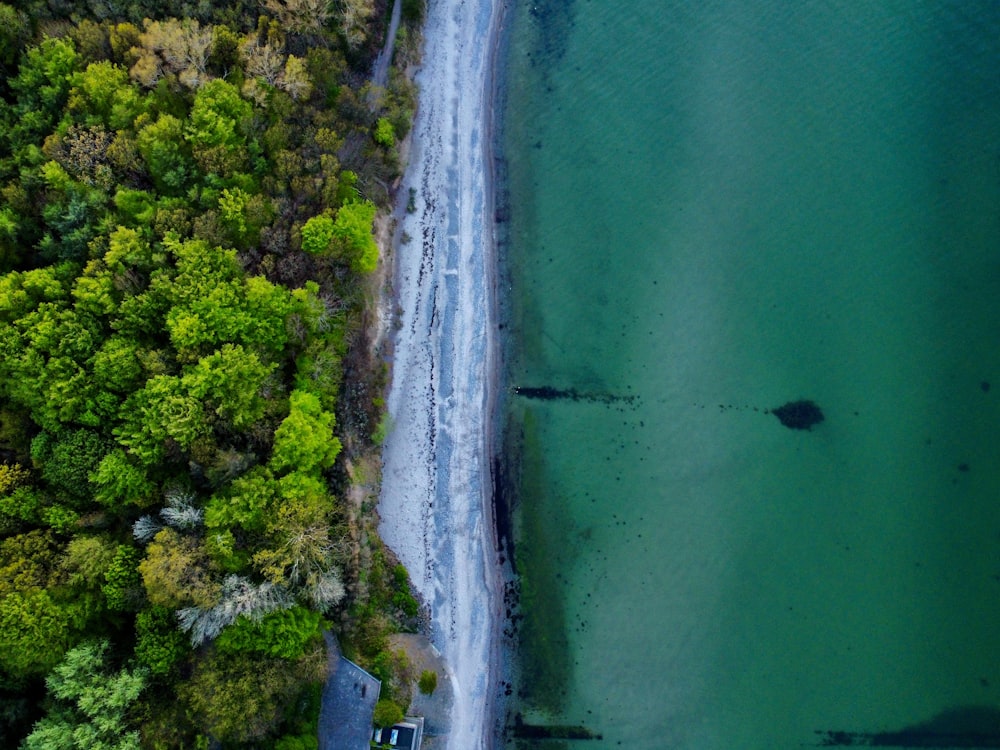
[[162, 410], [354, 227], [103, 95], [230, 382], [36, 626], [304, 441], [241, 701], [178, 47], [166, 153], [160, 645], [217, 128], [177, 571], [301, 16], [354, 18], [284, 634], [238, 597], [119, 481]]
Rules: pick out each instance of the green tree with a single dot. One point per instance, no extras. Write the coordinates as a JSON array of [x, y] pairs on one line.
[[41, 86], [217, 128], [137, 208], [230, 382], [240, 700], [127, 248], [318, 234], [67, 459], [118, 481], [95, 292], [91, 40], [43, 366], [86, 561], [233, 212], [14, 32], [428, 682], [176, 572], [22, 291], [13, 476], [71, 213], [37, 625], [214, 304], [92, 704], [122, 586], [385, 134], [166, 153], [103, 94], [34, 632], [20, 506], [163, 410], [245, 503], [116, 365], [304, 441], [159, 644], [285, 634], [354, 227]]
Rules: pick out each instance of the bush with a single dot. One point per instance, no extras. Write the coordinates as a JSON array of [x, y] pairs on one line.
[[428, 682], [385, 135], [387, 713], [413, 11], [405, 601]]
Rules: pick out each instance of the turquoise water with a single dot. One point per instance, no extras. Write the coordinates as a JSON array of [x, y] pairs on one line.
[[716, 208]]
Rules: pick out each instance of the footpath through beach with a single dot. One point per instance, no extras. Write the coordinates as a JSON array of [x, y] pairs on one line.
[[435, 504]]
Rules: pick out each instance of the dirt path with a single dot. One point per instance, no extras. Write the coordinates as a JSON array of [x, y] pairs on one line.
[[380, 73]]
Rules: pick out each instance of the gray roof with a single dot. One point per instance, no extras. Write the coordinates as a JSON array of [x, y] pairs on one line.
[[349, 698]]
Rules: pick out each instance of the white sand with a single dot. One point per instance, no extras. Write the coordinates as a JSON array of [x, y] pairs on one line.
[[435, 506]]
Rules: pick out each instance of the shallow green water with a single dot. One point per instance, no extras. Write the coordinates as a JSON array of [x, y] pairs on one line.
[[718, 207]]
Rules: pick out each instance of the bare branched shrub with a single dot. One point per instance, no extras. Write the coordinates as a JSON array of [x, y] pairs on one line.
[[264, 61], [240, 597], [173, 46], [354, 17], [146, 528], [326, 590], [180, 512], [301, 16]]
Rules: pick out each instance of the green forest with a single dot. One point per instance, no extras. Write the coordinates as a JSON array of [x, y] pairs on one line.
[[188, 199]]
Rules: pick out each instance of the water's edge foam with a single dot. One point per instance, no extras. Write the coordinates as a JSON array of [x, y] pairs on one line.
[[436, 498]]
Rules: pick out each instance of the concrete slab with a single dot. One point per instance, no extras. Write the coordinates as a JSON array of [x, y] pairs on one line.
[[435, 708]]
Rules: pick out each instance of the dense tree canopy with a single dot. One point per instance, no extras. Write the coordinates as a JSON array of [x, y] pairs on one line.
[[188, 194]]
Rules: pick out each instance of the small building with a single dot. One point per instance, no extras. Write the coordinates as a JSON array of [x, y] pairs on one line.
[[349, 699], [407, 735]]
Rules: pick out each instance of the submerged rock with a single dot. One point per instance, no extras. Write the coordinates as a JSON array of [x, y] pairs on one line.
[[799, 415]]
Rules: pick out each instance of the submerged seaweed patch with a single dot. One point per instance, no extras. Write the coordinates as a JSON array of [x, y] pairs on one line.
[[799, 415], [549, 393]]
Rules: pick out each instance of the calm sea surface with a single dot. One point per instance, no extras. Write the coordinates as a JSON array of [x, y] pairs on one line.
[[716, 208]]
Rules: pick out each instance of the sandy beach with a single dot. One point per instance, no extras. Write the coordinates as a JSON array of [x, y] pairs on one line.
[[435, 504]]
